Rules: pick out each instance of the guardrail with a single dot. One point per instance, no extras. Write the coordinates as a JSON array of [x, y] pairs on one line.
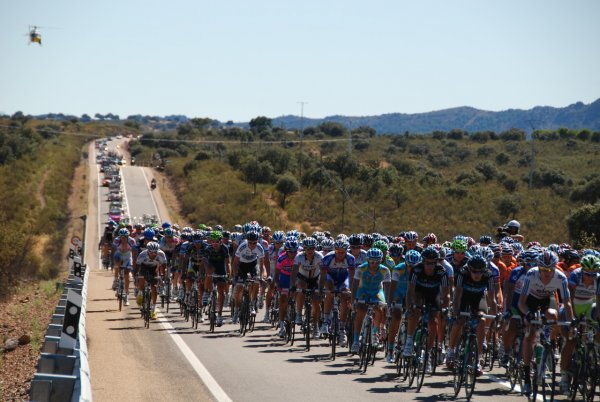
[[63, 372]]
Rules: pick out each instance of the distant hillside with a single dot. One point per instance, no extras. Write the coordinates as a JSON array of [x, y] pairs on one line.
[[575, 116]]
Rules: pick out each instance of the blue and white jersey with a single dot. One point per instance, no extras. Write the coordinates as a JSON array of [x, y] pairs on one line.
[[494, 270], [533, 285], [583, 293], [361, 258], [517, 278], [248, 255], [306, 268], [372, 282], [144, 257], [123, 250], [449, 268], [273, 254], [331, 264]]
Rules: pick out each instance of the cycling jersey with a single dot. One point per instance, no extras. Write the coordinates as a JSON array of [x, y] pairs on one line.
[[216, 258], [145, 257], [338, 272], [517, 278], [473, 290], [247, 255], [533, 285], [400, 275], [583, 293], [123, 251], [273, 253], [370, 286], [284, 267], [361, 258], [309, 269], [429, 286]]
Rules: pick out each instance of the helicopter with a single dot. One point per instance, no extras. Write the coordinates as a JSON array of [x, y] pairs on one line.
[[34, 35]]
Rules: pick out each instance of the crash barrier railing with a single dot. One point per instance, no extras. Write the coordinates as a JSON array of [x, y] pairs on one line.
[[63, 372]]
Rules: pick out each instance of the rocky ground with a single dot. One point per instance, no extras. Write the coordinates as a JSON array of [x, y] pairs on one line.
[[24, 319]]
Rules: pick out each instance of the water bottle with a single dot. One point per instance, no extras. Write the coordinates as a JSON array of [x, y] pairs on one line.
[[539, 349], [418, 336]]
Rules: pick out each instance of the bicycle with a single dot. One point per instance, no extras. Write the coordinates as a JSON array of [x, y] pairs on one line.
[[193, 309], [467, 355], [366, 350], [274, 309], [246, 319], [106, 257], [306, 322], [514, 372], [146, 301], [121, 289], [334, 328], [211, 309], [416, 364], [290, 320], [490, 348], [399, 347], [543, 371], [584, 362]]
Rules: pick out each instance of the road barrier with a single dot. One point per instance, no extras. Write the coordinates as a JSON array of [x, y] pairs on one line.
[[63, 372]]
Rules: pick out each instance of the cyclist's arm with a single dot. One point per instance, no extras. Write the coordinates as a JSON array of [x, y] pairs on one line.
[[263, 270], [322, 276], [508, 294], [522, 301], [410, 294], [491, 297], [566, 296], [236, 264], [458, 292], [295, 269], [228, 267]]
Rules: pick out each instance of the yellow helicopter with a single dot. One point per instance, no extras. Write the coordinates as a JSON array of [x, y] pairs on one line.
[[34, 35]]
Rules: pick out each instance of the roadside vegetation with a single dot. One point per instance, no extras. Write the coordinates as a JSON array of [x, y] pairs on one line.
[[347, 181]]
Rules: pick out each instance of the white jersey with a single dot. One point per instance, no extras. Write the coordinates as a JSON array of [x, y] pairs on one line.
[[309, 269], [160, 257], [361, 258], [533, 285], [247, 255]]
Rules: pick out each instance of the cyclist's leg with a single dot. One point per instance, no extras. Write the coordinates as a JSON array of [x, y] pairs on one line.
[[413, 320]]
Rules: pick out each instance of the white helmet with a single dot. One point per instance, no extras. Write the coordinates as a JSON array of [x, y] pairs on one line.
[[514, 224]]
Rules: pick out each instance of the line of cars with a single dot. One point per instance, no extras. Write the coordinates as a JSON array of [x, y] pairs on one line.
[[111, 177]]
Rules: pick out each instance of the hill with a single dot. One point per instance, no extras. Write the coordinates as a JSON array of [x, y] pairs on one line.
[[575, 116]]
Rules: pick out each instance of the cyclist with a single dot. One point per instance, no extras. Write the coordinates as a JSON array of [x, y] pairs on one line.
[[282, 279], [396, 253], [124, 246], [273, 252], [106, 242], [583, 286], [167, 244], [216, 260], [457, 258], [356, 243], [335, 274], [411, 239], [370, 285], [428, 285], [150, 261], [305, 275], [513, 287], [398, 289], [570, 262], [539, 288], [248, 260], [472, 283]]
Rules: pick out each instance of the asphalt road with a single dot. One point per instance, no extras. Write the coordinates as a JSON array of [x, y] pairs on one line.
[[259, 365]]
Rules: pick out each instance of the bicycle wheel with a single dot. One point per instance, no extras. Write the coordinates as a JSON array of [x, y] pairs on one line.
[[433, 355], [422, 354], [120, 294], [588, 378], [458, 368], [512, 371], [364, 349], [470, 371], [306, 324], [546, 376], [147, 300], [212, 311], [333, 338], [196, 310], [244, 312], [167, 286]]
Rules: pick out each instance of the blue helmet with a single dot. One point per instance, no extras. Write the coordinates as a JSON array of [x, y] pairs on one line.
[[279, 237], [375, 254], [291, 244], [413, 257], [148, 234], [166, 225]]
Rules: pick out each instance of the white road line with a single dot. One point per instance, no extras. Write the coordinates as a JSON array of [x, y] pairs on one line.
[[507, 384], [151, 195], [208, 380]]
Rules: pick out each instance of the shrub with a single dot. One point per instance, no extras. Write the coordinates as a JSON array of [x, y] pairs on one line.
[[439, 161], [469, 178], [596, 136], [487, 169], [202, 156], [287, 185], [589, 192], [514, 134], [510, 184], [418, 149], [457, 191], [502, 158], [508, 205], [457, 134], [545, 177], [485, 151], [404, 166], [585, 222]]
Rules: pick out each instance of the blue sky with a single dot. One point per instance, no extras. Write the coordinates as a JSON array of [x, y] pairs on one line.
[[235, 60]]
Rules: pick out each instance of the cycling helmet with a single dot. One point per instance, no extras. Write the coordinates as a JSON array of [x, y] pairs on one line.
[[168, 232], [152, 247], [226, 234], [507, 239], [470, 241], [477, 263], [252, 236], [430, 238], [529, 258], [237, 228], [533, 244], [413, 257], [111, 223], [485, 240], [197, 236], [411, 236], [590, 263], [517, 248], [548, 259], [396, 250], [431, 253], [138, 226], [565, 246], [381, 245], [459, 245], [554, 247], [247, 227], [237, 237], [309, 242], [292, 233], [486, 253], [148, 234], [265, 230], [218, 227], [374, 254], [506, 249], [571, 255], [216, 235], [342, 244], [474, 249], [123, 232], [327, 244], [355, 240], [185, 236], [278, 236], [514, 224], [166, 225], [291, 244], [368, 240]]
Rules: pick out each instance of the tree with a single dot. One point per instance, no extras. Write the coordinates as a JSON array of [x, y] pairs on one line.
[[584, 223], [286, 185], [345, 165], [508, 205], [260, 124], [514, 134], [333, 129]]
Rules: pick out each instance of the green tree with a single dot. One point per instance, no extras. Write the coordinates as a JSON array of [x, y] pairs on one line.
[[286, 185], [345, 165], [508, 205], [333, 129], [261, 124], [584, 222]]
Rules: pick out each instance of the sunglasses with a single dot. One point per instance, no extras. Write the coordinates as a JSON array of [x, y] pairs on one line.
[[377, 260], [355, 247], [476, 272], [429, 262], [543, 269], [309, 248], [252, 242]]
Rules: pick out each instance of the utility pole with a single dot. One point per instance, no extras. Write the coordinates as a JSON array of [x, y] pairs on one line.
[[301, 159], [532, 163]]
